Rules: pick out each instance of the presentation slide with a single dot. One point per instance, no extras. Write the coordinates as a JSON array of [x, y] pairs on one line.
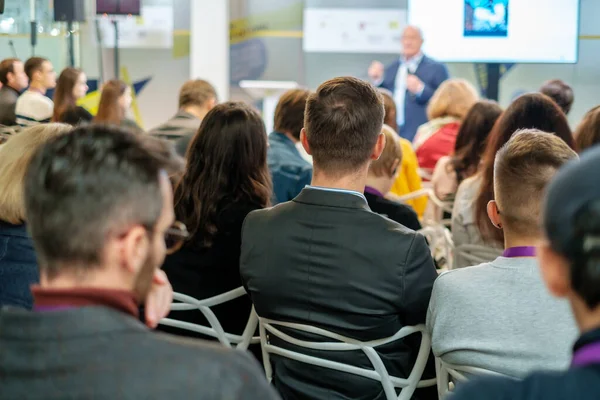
[[519, 31], [343, 30]]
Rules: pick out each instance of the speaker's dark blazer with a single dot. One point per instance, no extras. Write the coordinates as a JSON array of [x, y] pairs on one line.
[[326, 260], [432, 73]]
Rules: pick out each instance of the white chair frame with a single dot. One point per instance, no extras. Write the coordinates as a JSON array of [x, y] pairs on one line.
[[448, 373], [475, 254], [182, 302], [341, 343]]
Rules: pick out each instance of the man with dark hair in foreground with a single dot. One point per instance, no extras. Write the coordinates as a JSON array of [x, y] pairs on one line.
[[325, 259], [569, 259], [100, 210]]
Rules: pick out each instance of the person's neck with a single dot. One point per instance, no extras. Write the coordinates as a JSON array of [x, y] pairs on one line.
[[513, 240], [198, 112], [408, 58], [36, 87], [106, 280], [14, 88], [350, 181], [379, 183], [290, 136], [587, 320]]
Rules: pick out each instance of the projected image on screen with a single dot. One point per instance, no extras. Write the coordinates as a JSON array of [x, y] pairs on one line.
[[486, 18], [498, 31]]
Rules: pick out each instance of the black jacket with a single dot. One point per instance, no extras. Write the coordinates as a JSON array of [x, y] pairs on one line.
[[326, 260], [580, 383], [206, 272], [398, 212], [8, 102]]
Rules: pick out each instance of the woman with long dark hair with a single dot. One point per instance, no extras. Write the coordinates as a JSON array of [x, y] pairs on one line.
[[470, 222], [226, 178], [115, 102], [70, 87], [451, 170]]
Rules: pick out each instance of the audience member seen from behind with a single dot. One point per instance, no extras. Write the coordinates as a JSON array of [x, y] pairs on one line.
[[196, 99], [408, 180], [18, 265], [451, 170], [70, 87], [33, 106], [471, 226], [99, 208], [115, 103], [14, 80], [560, 92], [568, 258], [381, 177], [587, 133], [446, 111], [226, 177], [325, 259], [499, 316], [289, 170]]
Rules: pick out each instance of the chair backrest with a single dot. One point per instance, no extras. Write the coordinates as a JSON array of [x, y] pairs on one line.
[[473, 254], [441, 243], [448, 374], [182, 302], [341, 343]]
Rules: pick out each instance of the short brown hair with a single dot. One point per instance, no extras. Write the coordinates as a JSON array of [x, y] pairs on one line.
[[32, 65], [7, 66], [588, 131], [343, 120], [389, 105], [523, 168], [392, 152], [560, 92], [196, 93], [15, 156], [454, 98], [289, 113]]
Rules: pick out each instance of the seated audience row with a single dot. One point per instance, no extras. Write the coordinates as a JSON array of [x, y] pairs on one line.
[[33, 106], [196, 99], [326, 260], [408, 180], [99, 208], [446, 111], [568, 260], [470, 222], [226, 177], [498, 316]]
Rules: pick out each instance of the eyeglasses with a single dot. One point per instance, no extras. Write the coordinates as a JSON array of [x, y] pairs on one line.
[[175, 237]]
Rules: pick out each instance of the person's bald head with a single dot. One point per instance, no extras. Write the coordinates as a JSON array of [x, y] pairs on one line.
[[412, 40]]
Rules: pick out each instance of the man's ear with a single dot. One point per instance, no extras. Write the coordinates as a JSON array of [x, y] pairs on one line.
[[304, 141], [494, 214], [555, 270], [379, 146], [134, 246]]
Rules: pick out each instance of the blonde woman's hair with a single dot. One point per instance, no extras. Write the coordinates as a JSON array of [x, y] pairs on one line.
[[454, 98], [391, 152], [15, 156]]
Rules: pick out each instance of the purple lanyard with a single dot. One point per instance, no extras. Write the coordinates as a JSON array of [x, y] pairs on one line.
[[374, 192], [525, 251], [587, 355]]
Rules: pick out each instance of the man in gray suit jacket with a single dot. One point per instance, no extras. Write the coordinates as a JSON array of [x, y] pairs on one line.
[[14, 81], [324, 259], [100, 210]]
